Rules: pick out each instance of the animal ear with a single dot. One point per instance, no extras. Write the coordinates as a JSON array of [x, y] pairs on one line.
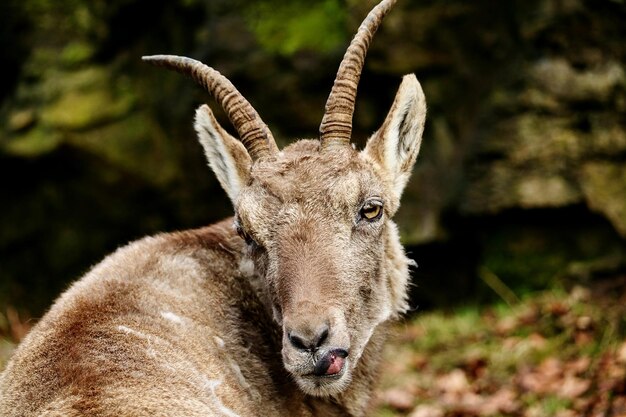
[[227, 156], [396, 144]]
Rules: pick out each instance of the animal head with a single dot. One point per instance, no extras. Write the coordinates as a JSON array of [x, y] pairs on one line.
[[316, 216]]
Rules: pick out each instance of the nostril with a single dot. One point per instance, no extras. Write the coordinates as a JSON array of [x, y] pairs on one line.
[[297, 342], [342, 353], [322, 337], [309, 340]]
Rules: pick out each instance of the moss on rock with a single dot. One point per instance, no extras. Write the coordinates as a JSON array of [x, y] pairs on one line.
[[558, 77], [604, 188], [35, 142], [77, 52], [289, 27], [79, 110], [135, 144]]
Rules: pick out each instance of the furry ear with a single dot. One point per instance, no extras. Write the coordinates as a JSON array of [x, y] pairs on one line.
[[226, 155], [396, 144]]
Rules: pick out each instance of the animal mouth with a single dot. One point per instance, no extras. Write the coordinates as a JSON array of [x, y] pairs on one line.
[[331, 363], [328, 373]]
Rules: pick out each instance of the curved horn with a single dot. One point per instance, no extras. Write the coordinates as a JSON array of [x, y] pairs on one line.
[[254, 134], [336, 127]]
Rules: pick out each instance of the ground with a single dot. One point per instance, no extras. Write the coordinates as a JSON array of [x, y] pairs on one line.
[[560, 353], [557, 353]]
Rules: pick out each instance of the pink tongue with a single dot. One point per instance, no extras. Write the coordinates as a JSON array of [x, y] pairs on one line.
[[336, 364]]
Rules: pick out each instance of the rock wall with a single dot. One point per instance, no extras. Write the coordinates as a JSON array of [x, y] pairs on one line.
[[522, 173]]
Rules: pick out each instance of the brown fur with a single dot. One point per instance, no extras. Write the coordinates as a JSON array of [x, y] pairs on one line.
[[289, 321]]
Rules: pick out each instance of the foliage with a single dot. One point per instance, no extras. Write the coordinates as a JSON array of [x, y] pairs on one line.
[[288, 27]]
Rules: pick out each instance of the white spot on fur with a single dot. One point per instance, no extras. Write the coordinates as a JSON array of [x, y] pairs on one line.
[[128, 330], [219, 341], [236, 369], [150, 350], [242, 380], [246, 267], [124, 329], [211, 385], [168, 315]]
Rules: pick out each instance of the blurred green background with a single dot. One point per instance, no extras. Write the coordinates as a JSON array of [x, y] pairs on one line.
[[520, 185]]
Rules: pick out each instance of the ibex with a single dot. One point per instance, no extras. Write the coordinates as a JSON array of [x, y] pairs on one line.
[[279, 311]]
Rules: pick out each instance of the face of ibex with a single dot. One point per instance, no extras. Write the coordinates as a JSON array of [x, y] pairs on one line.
[[316, 216]]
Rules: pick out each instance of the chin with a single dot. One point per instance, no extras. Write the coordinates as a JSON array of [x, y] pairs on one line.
[[326, 385]]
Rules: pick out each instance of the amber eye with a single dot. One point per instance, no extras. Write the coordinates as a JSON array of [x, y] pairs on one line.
[[372, 210]]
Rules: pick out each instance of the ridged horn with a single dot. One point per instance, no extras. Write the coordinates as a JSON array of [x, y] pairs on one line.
[[253, 133], [336, 126]]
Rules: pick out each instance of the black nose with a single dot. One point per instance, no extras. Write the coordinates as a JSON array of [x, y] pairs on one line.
[[308, 340]]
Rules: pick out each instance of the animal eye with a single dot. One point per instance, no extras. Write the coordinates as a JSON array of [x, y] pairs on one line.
[[245, 236], [371, 210]]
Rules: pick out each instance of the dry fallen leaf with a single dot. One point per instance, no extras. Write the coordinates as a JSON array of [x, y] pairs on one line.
[[454, 382], [570, 377], [566, 413], [506, 325], [579, 365], [557, 308], [572, 387], [427, 410], [545, 379], [399, 399], [536, 341], [503, 401], [621, 354]]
